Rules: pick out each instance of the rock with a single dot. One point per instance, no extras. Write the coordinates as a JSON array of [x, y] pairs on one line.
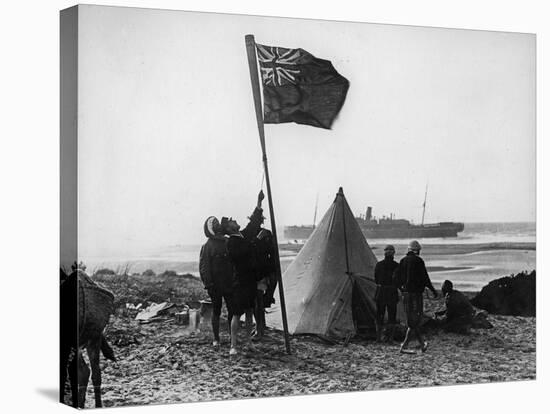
[[511, 295]]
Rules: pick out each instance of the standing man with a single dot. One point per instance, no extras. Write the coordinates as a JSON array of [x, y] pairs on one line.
[[265, 287], [386, 293], [413, 278], [216, 271], [242, 253]]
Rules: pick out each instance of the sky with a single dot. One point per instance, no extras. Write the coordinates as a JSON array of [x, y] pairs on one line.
[[167, 133]]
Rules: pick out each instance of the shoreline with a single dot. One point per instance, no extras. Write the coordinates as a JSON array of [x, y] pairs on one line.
[[440, 248], [473, 265], [428, 249]]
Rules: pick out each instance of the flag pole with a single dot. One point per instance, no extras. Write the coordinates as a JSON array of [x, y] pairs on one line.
[[254, 79]]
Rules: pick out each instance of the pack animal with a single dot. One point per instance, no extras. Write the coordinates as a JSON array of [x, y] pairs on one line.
[[85, 311]]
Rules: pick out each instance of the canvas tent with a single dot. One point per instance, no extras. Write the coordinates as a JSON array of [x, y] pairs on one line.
[[329, 287]]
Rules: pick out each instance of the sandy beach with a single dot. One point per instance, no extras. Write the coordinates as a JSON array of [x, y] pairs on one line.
[[169, 365]]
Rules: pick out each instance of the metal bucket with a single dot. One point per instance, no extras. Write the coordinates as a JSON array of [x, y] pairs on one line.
[[206, 310], [182, 318], [194, 317]]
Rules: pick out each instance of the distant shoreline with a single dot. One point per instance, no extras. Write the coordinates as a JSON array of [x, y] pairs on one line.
[[291, 249], [459, 248], [469, 265], [446, 269], [439, 249]]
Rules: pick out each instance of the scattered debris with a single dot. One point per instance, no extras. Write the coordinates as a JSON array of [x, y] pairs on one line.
[[154, 310]]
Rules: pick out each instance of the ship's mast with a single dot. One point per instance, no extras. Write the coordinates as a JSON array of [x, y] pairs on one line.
[[424, 204], [315, 214]]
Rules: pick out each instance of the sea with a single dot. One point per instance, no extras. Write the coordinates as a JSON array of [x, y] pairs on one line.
[[481, 253]]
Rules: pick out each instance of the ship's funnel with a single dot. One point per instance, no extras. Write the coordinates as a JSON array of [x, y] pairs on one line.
[[369, 213]]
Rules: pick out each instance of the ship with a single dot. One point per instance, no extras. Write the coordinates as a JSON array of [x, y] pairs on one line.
[[388, 227], [392, 228]]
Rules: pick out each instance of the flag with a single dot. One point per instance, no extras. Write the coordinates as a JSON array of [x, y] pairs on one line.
[[298, 87]]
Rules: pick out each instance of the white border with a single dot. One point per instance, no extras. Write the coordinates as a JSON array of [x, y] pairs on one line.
[[29, 233]]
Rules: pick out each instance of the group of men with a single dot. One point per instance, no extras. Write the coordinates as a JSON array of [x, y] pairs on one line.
[[411, 278], [238, 266]]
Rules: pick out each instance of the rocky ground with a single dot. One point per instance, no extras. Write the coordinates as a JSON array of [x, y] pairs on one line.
[[163, 362]]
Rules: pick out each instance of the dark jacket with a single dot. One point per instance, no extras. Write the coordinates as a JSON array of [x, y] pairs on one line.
[[265, 255], [458, 307], [254, 224], [412, 275], [215, 267], [242, 251], [386, 289], [383, 272], [267, 265]]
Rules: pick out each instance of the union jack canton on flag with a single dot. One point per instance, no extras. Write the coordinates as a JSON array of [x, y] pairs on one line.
[[298, 87]]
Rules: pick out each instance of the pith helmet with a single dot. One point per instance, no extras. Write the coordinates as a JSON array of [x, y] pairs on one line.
[[415, 246], [211, 226], [389, 247]]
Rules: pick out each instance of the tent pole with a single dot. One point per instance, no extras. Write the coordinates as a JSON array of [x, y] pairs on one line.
[[341, 193], [254, 78]]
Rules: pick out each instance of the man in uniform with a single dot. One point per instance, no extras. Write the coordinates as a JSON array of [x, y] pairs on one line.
[[459, 312], [386, 293], [216, 271], [242, 253], [412, 278]]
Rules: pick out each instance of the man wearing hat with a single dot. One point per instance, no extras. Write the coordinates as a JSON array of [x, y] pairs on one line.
[[412, 278], [386, 293], [216, 271]]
